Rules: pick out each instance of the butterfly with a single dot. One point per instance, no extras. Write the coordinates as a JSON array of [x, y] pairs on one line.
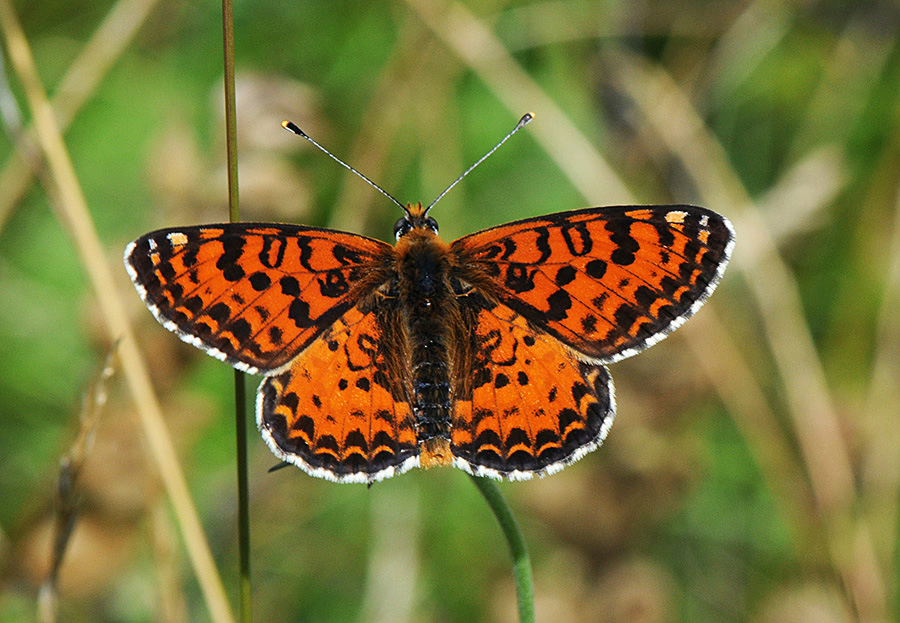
[[488, 353]]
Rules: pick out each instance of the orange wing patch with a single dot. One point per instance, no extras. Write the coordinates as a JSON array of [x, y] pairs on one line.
[[341, 411], [528, 405], [253, 295], [608, 282]]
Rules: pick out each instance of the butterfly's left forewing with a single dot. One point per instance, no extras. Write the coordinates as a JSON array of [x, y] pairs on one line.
[[608, 282], [254, 295]]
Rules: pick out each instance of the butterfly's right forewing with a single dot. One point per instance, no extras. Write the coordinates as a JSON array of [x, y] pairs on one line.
[[254, 295]]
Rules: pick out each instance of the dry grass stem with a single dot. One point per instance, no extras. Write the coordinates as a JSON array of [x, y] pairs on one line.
[[733, 379], [67, 496], [751, 36], [480, 50], [797, 202], [171, 607], [77, 86], [380, 125], [881, 466], [857, 62], [77, 219], [814, 417]]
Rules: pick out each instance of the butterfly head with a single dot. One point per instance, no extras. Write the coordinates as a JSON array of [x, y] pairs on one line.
[[416, 217]]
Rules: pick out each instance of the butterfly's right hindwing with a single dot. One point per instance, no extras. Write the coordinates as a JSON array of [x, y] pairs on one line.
[[525, 404], [341, 410]]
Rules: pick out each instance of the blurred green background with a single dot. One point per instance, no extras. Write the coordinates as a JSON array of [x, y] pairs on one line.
[[754, 470]]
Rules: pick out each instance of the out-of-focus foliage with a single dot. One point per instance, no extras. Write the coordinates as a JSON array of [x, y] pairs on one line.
[[718, 495]]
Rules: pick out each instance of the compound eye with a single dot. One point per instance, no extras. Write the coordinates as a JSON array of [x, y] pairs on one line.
[[431, 224], [401, 228]]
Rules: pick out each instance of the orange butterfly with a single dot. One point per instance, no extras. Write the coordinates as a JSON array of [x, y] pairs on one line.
[[487, 354]]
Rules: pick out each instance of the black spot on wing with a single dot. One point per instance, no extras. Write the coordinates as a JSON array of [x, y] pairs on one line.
[[565, 275], [228, 262], [519, 279], [260, 281], [560, 303], [334, 285], [626, 245], [299, 313], [289, 286]]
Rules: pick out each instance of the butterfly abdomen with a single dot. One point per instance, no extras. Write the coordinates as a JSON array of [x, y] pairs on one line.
[[427, 304]]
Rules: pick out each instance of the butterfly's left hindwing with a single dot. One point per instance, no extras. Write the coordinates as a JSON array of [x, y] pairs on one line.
[[607, 282], [254, 295]]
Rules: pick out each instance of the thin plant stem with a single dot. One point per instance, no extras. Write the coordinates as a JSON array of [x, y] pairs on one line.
[[521, 561], [234, 206], [240, 421], [240, 392]]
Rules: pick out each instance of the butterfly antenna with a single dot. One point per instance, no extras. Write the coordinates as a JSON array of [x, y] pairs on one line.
[[525, 120], [291, 127]]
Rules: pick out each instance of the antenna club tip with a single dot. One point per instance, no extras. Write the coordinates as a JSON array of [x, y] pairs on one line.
[[291, 127], [526, 119]]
